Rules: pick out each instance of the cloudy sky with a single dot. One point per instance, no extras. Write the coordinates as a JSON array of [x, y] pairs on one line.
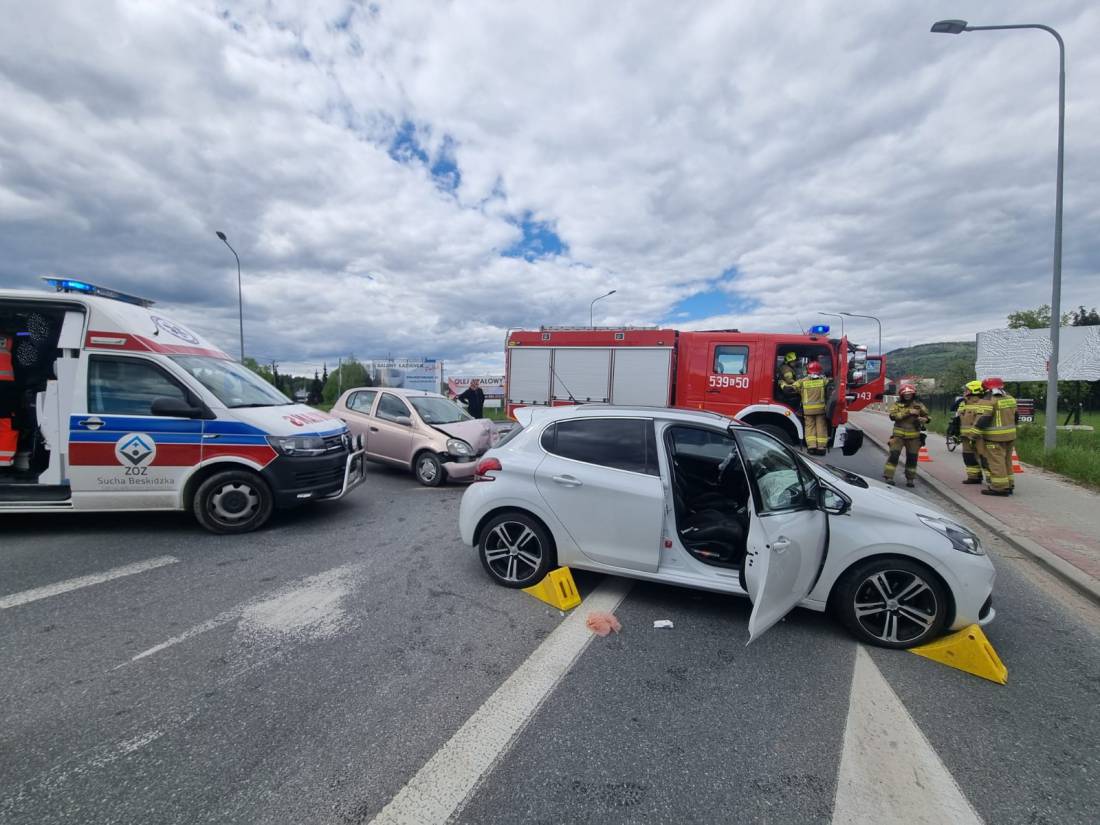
[[414, 178]]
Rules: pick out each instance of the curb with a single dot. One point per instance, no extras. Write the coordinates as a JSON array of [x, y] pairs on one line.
[[1078, 579]]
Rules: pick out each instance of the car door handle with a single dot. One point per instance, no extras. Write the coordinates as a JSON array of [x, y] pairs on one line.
[[92, 423], [567, 481], [781, 544], [374, 429], [211, 435]]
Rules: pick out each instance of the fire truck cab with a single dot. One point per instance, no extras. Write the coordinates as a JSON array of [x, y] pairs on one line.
[[729, 372]]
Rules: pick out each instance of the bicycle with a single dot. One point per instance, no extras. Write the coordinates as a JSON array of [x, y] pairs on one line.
[[953, 435]]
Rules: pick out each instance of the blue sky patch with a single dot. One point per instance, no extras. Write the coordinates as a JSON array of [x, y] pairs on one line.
[[712, 301], [539, 240]]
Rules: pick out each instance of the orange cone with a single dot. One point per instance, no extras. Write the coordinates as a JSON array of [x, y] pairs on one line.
[[923, 454], [1016, 466]]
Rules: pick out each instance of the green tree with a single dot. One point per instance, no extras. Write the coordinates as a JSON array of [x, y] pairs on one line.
[[1081, 317], [349, 374], [1038, 318], [316, 390], [261, 370]]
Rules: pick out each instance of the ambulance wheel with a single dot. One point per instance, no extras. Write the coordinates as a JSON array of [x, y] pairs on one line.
[[233, 501]]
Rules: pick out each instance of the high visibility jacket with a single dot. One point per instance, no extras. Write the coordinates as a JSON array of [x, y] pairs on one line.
[[999, 424], [813, 392], [9, 438], [787, 376], [907, 423], [969, 412], [6, 371]]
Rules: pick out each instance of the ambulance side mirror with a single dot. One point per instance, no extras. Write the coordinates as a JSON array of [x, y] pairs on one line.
[[174, 408]]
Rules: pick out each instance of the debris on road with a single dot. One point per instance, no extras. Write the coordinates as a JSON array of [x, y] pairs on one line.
[[662, 623], [602, 623]]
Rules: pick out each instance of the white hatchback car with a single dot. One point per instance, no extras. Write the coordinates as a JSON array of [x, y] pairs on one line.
[[698, 500]]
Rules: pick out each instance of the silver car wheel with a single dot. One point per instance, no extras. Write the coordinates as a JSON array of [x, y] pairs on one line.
[[895, 606], [234, 502], [512, 548], [427, 470]]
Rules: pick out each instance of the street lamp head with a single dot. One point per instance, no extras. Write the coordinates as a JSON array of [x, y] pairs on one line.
[[220, 234], [949, 27], [612, 292]]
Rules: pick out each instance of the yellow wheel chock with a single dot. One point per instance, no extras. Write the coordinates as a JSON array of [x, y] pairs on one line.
[[557, 589], [968, 650]]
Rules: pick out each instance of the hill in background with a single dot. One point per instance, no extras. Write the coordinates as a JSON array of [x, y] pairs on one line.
[[943, 361]]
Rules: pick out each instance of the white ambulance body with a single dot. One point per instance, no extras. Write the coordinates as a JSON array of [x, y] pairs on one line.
[[113, 406]]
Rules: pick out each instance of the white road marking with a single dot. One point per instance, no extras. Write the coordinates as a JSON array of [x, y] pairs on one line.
[[889, 772], [16, 599], [441, 787], [209, 624]]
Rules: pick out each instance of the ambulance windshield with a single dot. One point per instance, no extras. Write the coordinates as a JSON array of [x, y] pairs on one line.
[[234, 385]]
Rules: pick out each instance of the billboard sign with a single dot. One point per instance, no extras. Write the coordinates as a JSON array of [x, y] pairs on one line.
[[425, 374], [1023, 354], [493, 385]]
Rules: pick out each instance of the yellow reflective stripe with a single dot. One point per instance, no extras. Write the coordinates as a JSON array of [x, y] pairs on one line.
[[906, 433]]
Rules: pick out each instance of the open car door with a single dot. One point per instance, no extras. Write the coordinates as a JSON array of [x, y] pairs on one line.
[[788, 532]]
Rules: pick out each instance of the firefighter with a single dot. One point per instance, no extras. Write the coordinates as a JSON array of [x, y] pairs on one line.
[[971, 407], [909, 416], [787, 374], [813, 390], [7, 371], [997, 430]]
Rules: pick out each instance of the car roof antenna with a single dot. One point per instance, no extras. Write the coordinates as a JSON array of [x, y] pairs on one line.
[[800, 325]]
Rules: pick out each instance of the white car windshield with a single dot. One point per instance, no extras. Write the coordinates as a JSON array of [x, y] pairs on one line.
[[439, 410], [233, 384]]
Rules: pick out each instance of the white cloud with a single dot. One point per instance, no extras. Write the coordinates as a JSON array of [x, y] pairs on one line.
[[835, 157]]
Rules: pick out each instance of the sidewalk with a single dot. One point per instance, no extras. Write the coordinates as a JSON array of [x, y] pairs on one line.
[[1056, 522]]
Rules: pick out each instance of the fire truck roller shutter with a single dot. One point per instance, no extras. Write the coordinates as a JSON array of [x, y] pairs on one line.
[[582, 374], [641, 376], [529, 375]]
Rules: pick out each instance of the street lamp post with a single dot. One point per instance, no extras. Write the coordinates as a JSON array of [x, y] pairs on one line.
[[958, 27], [873, 318], [593, 304], [240, 296], [836, 315]]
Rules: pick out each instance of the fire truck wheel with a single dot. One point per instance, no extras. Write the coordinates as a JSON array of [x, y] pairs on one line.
[[778, 432], [233, 501]]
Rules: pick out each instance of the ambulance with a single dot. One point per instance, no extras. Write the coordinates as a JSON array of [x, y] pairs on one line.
[[108, 404]]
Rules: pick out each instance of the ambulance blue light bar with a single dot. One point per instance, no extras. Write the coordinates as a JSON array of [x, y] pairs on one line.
[[820, 329], [73, 285]]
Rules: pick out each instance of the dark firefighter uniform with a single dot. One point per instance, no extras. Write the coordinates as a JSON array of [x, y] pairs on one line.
[[787, 375], [908, 417], [997, 431], [813, 390], [970, 410]]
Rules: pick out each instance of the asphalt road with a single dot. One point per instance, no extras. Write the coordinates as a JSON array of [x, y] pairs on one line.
[[307, 672]]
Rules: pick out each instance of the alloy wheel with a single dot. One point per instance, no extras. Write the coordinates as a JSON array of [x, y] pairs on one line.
[[426, 470], [895, 606], [513, 551]]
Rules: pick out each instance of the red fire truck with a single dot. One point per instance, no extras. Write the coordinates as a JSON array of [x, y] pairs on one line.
[[726, 371]]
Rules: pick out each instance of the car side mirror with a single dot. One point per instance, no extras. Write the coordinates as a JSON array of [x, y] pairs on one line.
[[174, 408], [831, 501], [403, 420]]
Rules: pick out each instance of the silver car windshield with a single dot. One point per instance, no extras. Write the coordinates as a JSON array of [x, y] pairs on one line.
[[233, 384], [439, 410]]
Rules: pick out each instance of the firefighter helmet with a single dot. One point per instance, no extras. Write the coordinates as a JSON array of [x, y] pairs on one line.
[[813, 368], [993, 384], [790, 358], [907, 389], [974, 387]]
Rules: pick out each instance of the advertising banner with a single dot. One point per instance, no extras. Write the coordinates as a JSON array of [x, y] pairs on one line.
[[1023, 354], [492, 385], [425, 374]]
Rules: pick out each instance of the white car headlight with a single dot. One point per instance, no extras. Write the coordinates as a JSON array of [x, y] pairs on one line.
[[960, 538], [456, 446], [297, 445]]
